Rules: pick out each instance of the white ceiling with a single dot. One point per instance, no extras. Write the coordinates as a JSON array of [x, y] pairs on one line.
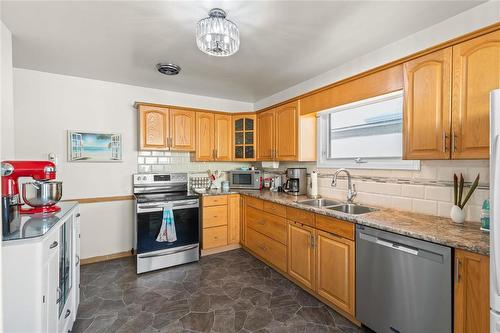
[[282, 42]]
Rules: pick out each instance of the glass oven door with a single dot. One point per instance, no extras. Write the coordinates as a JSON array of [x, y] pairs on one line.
[[149, 220]]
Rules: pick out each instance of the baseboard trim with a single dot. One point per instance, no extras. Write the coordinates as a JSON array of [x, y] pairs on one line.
[[93, 260], [220, 249]]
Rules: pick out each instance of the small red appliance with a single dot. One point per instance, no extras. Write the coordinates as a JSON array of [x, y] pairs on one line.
[[42, 194]]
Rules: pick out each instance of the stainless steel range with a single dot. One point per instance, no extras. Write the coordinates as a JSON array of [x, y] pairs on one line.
[[154, 192]]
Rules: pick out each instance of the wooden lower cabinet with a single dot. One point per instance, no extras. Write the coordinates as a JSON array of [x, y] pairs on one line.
[[270, 250], [301, 254], [320, 261], [214, 237], [220, 222], [335, 258], [233, 219], [472, 307]]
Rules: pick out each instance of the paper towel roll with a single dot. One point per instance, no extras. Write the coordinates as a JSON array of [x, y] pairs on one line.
[[314, 183]]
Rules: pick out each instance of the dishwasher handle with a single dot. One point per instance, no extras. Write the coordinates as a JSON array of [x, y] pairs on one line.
[[389, 244]]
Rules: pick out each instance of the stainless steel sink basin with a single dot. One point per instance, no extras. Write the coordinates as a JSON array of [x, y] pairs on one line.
[[319, 202], [352, 209]]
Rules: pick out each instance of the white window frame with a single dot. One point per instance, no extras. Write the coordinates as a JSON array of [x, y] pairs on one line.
[[323, 123]]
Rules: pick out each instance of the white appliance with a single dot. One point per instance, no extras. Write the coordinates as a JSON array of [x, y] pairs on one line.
[[495, 211]]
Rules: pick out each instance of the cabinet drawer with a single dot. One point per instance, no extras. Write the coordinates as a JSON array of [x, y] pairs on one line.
[[254, 202], [51, 244], [275, 208], [335, 226], [214, 216], [214, 200], [267, 224], [301, 216], [214, 237], [267, 248]]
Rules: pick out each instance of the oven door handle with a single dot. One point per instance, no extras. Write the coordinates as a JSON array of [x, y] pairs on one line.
[[165, 253], [159, 208]]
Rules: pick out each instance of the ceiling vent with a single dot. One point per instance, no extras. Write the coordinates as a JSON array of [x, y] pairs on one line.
[[168, 69]]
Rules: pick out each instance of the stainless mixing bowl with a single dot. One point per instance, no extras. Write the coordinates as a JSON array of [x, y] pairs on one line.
[[42, 193]]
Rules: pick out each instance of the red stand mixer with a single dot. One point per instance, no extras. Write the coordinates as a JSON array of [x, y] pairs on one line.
[[42, 194]]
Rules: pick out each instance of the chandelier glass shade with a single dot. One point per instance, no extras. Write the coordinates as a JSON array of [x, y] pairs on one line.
[[216, 35]]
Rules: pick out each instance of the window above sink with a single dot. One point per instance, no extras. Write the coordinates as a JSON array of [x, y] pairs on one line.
[[366, 134]]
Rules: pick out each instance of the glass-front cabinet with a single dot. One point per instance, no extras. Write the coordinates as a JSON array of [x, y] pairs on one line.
[[244, 138], [65, 263]]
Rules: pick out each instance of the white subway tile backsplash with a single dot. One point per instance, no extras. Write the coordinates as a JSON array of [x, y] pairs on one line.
[[444, 209], [144, 168], [472, 212], [413, 191], [163, 160], [478, 197], [140, 160], [144, 153], [157, 168], [425, 207], [157, 153], [385, 188], [439, 193], [151, 160], [401, 203]]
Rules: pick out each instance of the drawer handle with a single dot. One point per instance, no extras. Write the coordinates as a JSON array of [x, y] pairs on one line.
[[262, 247], [261, 222], [68, 312], [78, 215], [53, 245], [215, 216], [215, 237]]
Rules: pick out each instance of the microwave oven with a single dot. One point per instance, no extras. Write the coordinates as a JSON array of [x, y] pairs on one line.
[[245, 179]]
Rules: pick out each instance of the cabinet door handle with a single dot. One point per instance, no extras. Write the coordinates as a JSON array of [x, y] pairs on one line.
[[445, 147], [457, 270], [77, 260], [53, 245], [68, 312], [453, 141], [313, 245], [261, 222]]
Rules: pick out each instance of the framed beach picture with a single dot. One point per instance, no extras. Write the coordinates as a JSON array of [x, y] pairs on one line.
[[94, 147]]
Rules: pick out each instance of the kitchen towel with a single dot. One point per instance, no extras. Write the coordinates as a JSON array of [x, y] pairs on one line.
[[167, 230]]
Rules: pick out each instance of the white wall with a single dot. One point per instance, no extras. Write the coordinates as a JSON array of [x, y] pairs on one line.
[[468, 21], [47, 105], [6, 113], [7, 110]]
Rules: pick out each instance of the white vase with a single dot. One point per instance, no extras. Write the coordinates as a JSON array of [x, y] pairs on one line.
[[457, 214]]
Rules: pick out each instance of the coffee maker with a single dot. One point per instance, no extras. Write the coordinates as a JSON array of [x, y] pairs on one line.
[[42, 194], [296, 181]]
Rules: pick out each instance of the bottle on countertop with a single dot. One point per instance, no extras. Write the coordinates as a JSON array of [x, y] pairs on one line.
[[485, 216]]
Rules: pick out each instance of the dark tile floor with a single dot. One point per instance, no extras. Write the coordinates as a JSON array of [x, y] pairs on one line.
[[227, 292]]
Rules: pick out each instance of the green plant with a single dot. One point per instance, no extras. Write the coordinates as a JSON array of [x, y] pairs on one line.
[[458, 189]]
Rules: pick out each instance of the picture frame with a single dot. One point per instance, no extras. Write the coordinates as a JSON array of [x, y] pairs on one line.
[[87, 146]]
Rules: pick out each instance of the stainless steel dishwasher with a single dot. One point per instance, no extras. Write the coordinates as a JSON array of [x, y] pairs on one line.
[[403, 285]]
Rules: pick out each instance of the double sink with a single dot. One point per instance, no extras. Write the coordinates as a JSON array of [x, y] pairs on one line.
[[337, 206]]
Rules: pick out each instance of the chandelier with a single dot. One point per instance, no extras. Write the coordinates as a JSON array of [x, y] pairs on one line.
[[217, 36]]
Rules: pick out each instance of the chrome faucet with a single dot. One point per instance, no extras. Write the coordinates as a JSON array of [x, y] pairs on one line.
[[351, 188]]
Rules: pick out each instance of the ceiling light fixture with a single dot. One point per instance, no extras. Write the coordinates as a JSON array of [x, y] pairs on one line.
[[217, 36], [168, 69]]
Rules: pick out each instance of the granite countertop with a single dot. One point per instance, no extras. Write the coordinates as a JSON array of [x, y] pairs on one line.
[[215, 191], [440, 230], [37, 225]]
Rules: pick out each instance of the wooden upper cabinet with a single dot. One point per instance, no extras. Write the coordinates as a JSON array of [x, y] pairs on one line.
[[244, 137], [287, 132], [204, 136], [301, 254], [153, 128], [427, 106], [335, 258], [222, 137], [182, 130], [265, 135], [472, 306], [476, 71]]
